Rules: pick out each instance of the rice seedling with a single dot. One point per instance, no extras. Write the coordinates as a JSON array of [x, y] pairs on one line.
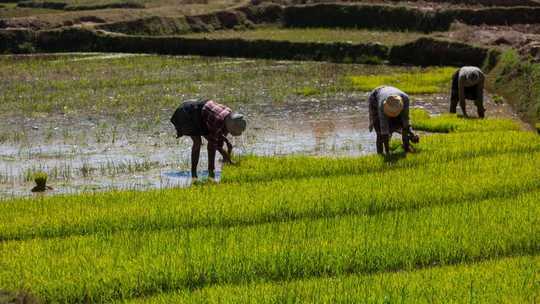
[[40, 178], [458, 220], [131, 264], [428, 81], [447, 123], [438, 183], [509, 280], [432, 149]]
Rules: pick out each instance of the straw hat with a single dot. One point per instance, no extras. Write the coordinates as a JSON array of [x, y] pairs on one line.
[[235, 124], [393, 105]]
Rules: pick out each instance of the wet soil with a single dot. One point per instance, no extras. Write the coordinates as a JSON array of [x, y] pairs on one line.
[[523, 37], [102, 154]]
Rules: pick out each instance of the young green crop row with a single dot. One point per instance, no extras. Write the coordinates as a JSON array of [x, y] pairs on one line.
[[434, 183], [435, 149], [447, 123], [429, 81], [107, 266], [508, 280], [299, 228]]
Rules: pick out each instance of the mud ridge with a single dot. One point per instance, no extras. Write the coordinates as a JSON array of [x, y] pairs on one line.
[[428, 51], [425, 51], [242, 17], [403, 18], [444, 2]]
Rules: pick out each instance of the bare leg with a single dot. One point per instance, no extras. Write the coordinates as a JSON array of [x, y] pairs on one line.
[[211, 160], [463, 106], [195, 152], [453, 105], [383, 144], [379, 144]]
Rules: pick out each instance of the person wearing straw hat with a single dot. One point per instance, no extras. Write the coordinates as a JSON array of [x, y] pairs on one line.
[[468, 83], [388, 113], [211, 120]]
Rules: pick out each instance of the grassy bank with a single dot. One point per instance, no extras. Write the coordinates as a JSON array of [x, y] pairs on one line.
[[518, 80], [417, 223]]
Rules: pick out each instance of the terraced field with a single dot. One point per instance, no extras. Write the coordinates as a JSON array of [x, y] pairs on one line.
[[307, 213]]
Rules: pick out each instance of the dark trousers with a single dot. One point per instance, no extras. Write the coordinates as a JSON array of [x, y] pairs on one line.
[[395, 125], [470, 93]]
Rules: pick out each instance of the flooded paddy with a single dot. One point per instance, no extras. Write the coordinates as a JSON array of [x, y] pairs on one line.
[[103, 123]]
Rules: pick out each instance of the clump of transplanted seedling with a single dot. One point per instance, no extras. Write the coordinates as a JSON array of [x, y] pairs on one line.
[[498, 99], [40, 178]]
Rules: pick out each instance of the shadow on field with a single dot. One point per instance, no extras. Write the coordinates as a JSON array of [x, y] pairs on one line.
[[17, 297], [395, 157]]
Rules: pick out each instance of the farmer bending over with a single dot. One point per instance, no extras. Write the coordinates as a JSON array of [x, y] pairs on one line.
[[388, 113], [196, 118], [468, 83]]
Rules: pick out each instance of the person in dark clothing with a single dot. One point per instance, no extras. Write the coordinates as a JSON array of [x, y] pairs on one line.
[[211, 120], [468, 83], [388, 113]]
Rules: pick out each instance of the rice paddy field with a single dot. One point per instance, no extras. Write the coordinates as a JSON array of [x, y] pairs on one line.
[[101, 121], [307, 213], [456, 221]]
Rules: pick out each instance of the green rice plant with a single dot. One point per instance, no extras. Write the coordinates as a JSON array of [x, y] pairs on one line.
[[109, 266], [308, 91], [447, 123], [436, 183], [40, 178], [510, 280], [427, 81], [438, 148]]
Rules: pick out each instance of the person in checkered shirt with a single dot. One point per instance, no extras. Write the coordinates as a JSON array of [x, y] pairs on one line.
[[211, 120]]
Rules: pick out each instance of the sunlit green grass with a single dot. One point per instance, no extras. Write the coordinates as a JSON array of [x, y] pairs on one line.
[[428, 81], [325, 35]]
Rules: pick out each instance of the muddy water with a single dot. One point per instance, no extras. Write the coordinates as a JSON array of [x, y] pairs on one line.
[[92, 154]]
